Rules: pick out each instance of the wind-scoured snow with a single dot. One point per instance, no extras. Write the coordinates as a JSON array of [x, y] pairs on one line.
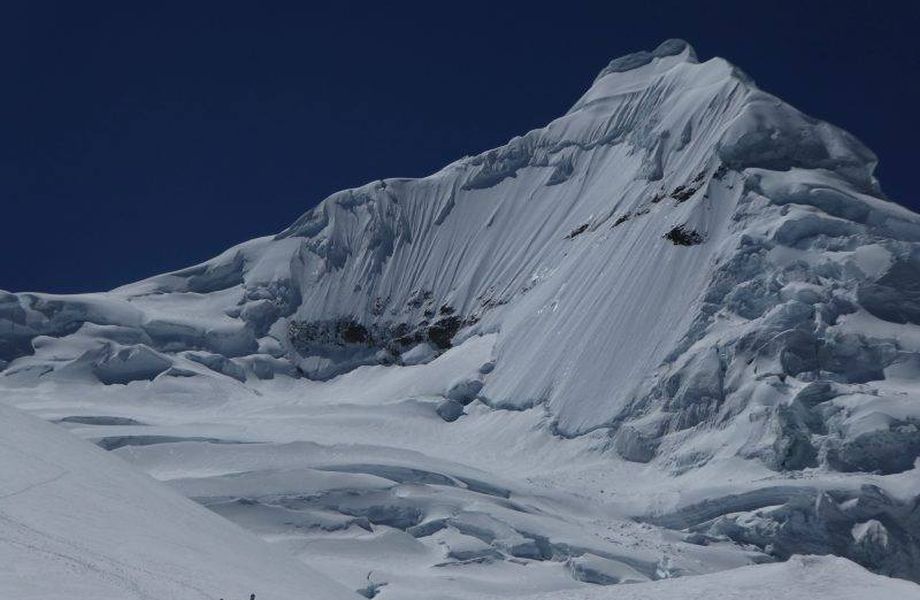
[[674, 332]]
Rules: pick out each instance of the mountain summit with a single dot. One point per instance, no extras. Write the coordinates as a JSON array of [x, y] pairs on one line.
[[683, 304]]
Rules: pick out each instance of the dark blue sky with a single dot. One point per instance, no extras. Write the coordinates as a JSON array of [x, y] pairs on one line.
[[143, 137]]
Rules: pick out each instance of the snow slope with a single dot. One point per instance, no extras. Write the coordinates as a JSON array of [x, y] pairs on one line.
[[76, 523], [673, 332], [816, 578]]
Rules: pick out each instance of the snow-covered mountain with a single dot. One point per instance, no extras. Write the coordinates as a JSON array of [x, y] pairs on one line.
[[673, 332]]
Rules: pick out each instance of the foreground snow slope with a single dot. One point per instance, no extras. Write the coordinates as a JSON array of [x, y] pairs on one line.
[[811, 577], [673, 332], [76, 523]]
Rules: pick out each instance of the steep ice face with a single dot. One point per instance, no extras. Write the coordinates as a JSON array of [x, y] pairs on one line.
[[555, 240], [682, 266]]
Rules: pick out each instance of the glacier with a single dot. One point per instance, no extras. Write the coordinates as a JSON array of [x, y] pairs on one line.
[[675, 332], [76, 523]]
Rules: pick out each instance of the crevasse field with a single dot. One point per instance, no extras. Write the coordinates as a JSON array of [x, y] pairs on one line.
[[667, 346]]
